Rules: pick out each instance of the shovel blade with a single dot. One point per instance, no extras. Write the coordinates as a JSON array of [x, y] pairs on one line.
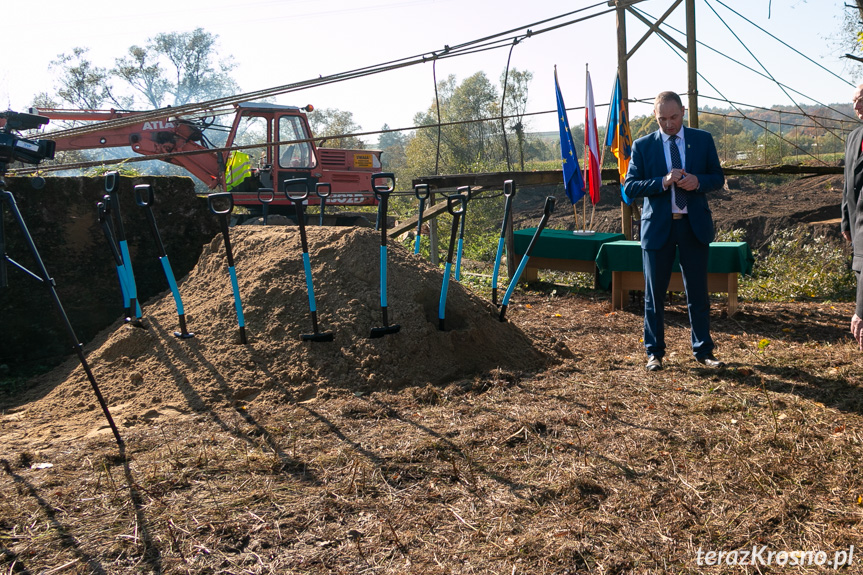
[[326, 336], [385, 330]]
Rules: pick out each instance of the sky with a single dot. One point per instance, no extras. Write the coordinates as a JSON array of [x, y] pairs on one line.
[[277, 42]]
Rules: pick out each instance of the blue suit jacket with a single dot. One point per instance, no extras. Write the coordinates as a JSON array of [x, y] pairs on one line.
[[644, 179]]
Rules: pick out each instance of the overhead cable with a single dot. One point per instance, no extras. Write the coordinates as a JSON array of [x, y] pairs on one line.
[[751, 69], [744, 116], [786, 44], [756, 59]]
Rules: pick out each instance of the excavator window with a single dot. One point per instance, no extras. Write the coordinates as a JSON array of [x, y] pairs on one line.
[[296, 154], [253, 130]]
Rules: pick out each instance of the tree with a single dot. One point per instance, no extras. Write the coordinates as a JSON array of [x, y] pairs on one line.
[[851, 42], [81, 84], [174, 68], [327, 123], [392, 146], [471, 143], [515, 104], [184, 65]]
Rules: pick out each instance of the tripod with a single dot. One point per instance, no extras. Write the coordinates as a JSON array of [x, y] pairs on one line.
[[8, 200]]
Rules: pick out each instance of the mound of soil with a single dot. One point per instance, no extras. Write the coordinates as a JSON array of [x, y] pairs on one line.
[[146, 373]]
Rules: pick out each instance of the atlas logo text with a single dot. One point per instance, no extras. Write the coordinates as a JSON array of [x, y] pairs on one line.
[[158, 125]]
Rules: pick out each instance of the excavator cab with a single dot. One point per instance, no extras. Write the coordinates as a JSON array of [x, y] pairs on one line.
[[287, 151]]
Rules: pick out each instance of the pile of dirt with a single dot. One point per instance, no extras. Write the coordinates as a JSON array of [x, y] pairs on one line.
[[146, 373]]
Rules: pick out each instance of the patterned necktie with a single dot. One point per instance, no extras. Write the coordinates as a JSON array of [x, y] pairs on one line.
[[679, 195]]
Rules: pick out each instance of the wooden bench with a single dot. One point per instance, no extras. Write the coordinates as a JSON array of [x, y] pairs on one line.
[[620, 265]]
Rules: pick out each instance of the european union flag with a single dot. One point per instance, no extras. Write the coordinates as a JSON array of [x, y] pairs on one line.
[[571, 172]]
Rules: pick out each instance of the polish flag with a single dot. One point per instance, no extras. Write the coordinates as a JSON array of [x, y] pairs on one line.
[[593, 177]]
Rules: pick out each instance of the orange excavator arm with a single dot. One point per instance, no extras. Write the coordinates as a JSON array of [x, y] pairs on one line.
[[148, 137]]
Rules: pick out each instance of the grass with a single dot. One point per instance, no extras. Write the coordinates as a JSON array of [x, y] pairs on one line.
[[800, 266]]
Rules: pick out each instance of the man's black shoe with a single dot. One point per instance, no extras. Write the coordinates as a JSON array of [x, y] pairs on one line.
[[654, 363], [710, 361]]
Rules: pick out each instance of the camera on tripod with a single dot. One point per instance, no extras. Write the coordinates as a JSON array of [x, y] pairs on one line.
[[15, 148]]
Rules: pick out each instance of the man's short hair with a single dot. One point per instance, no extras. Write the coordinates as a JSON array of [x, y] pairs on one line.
[[664, 97]]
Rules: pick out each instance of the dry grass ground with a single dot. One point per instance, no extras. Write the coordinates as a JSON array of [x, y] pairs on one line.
[[589, 466]]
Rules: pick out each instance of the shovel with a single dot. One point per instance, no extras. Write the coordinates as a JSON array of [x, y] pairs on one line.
[[104, 209], [382, 193], [144, 198], [422, 194], [112, 179], [266, 197], [298, 197], [549, 207], [222, 204], [508, 192], [463, 191], [451, 202], [323, 191]]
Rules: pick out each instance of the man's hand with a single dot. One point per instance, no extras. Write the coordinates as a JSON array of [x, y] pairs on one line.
[[672, 177], [847, 236], [857, 330], [688, 182]]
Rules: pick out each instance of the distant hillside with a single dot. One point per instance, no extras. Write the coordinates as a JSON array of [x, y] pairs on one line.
[[748, 135]]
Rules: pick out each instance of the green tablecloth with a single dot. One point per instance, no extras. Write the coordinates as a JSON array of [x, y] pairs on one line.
[[625, 256], [562, 244]]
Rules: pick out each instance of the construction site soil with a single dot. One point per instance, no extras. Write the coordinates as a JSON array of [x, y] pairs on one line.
[[146, 369], [535, 446]]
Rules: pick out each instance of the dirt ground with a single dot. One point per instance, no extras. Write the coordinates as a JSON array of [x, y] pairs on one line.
[[142, 369], [535, 446]]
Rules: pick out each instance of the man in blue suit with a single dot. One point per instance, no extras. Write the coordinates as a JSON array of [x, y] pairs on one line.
[[673, 169]]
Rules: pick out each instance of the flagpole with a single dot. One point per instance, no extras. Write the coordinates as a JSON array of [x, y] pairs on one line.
[[604, 143], [608, 123], [587, 154], [584, 214]]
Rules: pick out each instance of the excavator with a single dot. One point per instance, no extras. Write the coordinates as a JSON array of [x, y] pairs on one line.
[[276, 140]]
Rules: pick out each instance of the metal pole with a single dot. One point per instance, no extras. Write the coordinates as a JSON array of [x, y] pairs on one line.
[[780, 136], [625, 210], [691, 64]]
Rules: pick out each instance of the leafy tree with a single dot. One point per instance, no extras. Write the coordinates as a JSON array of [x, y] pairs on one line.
[[174, 68], [184, 65], [852, 40], [517, 83], [81, 83], [392, 146], [468, 145], [641, 126], [329, 122]]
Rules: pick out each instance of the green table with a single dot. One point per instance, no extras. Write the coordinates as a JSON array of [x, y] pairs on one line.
[[620, 266], [560, 250]]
